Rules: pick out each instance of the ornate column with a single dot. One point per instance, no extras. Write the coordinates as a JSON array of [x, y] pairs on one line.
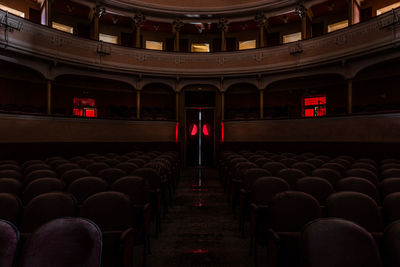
[[349, 96], [262, 22], [138, 21], [138, 88], [48, 6], [48, 97], [302, 11], [176, 28], [223, 25], [94, 16], [351, 12], [261, 89]]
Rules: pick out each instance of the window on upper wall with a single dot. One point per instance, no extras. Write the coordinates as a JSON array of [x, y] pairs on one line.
[[294, 37], [387, 8], [250, 44], [62, 27], [314, 106], [337, 26], [200, 47], [112, 39], [154, 45], [84, 107], [12, 11]]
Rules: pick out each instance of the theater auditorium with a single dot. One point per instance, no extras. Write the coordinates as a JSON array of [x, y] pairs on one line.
[[212, 133]]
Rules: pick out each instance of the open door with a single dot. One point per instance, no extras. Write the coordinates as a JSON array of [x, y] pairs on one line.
[[200, 137]]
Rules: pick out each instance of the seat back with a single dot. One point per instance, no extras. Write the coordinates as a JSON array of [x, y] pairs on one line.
[[96, 167], [289, 211], [10, 185], [135, 187], [392, 244], [85, 187], [45, 208], [356, 207], [39, 174], [331, 175], [41, 186], [71, 175], [61, 169], [111, 174], [338, 242], [356, 184], [318, 187], [265, 188], [291, 175], [306, 167], [111, 211], [391, 205], [363, 173], [10, 207], [64, 242], [149, 175], [390, 185], [274, 167], [251, 175], [9, 236], [389, 173], [128, 167]]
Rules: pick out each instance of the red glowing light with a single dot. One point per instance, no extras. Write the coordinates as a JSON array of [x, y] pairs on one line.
[[309, 112], [222, 132], [177, 132], [198, 251], [315, 101], [193, 130], [91, 113], [206, 131]]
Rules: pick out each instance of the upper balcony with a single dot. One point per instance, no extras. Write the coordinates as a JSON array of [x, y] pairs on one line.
[[361, 40]]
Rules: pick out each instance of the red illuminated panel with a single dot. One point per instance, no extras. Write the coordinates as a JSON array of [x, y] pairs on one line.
[[315, 101], [321, 111], [309, 113], [91, 113], [222, 132], [177, 132], [76, 112], [206, 131], [193, 130]]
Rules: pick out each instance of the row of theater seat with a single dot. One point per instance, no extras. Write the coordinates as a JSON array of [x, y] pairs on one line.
[[122, 194], [280, 193]]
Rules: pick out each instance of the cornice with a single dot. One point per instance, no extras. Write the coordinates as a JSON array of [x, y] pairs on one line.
[[161, 12]]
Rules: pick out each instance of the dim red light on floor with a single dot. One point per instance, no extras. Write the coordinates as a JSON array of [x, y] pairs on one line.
[[193, 130], [198, 204], [222, 132], [206, 131], [199, 251]]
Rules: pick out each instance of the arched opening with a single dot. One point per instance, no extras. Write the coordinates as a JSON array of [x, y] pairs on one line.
[[113, 99], [375, 89], [242, 102], [157, 102], [286, 98], [23, 90]]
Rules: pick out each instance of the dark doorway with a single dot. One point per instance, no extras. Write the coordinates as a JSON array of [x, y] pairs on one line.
[[200, 136]]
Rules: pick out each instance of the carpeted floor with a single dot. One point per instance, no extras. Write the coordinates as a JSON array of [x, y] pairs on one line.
[[199, 229]]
